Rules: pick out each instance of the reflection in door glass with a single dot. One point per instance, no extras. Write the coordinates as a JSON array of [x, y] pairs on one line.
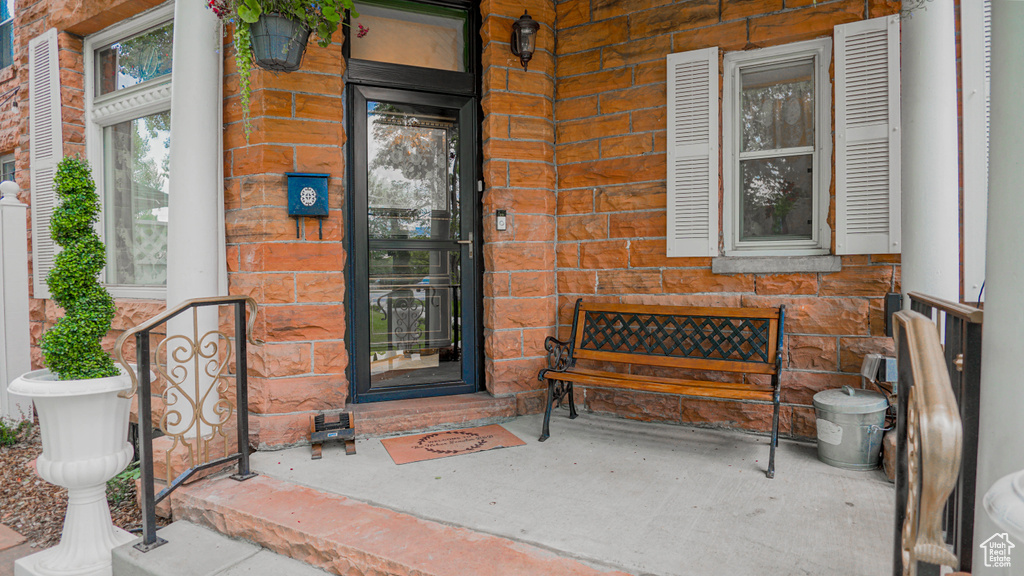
[[415, 335], [412, 181], [414, 261]]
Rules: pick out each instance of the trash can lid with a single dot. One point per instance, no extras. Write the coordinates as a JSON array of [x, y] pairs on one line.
[[847, 400]]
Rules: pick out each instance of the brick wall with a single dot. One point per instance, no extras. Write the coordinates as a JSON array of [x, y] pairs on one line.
[[573, 149], [610, 132], [298, 126], [519, 174]]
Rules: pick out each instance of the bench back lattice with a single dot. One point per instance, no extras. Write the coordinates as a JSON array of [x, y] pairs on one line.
[[731, 339]]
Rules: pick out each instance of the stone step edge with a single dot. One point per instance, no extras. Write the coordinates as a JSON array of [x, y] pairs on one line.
[[458, 412], [345, 536]]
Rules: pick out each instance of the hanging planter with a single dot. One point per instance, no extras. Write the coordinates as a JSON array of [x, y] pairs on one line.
[[278, 42], [272, 34]]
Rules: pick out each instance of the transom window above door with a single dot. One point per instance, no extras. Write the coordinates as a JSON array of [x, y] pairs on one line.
[[410, 34]]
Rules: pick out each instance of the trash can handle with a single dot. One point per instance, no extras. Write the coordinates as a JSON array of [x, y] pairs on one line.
[[849, 391]]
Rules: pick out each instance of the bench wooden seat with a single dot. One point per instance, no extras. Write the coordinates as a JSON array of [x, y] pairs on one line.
[[746, 341]]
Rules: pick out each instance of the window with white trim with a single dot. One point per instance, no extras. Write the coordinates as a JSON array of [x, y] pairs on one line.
[[6, 33], [7, 167], [776, 150], [128, 100], [776, 136]]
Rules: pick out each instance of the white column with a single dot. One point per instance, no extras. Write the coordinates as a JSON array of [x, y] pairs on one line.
[[195, 158], [931, 250], [1001, 441], [15, 357]]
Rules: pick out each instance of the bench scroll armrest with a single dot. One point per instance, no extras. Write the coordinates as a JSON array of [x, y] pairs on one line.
[[559, 356]]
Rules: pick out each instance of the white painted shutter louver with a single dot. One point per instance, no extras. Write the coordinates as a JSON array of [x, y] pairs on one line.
[[693, 153], [45, 150], [976, 59], [867, 108]]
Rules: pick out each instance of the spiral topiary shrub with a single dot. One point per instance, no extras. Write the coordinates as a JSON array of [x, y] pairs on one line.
[[71, 348]]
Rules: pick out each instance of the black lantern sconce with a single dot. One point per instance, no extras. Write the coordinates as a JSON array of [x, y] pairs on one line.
[[524, 38]]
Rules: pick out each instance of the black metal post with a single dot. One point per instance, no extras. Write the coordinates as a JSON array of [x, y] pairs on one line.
[[969, 407], [241, 394], [953, 329], [149, 538]]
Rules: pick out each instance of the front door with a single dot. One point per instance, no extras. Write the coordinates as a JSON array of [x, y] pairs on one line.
[[414, 247]]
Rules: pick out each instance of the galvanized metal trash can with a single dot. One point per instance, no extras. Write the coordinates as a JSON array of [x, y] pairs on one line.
[[851, 423]]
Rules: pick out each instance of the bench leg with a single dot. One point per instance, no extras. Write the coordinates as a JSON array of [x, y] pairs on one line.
[[572, 401], [775, 435], [545, 432]]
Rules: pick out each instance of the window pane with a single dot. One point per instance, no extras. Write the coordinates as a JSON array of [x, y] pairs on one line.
[[7, 170], [6, 43], [136, 154], [777, 107], [412, 182], [777, 198], [135, 60], [416, 35]]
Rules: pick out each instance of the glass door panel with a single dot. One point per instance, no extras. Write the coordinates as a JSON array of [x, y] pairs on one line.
[[414, 317], [412, 246]]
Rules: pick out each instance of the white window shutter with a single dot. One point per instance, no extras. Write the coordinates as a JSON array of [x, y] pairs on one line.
[[693, 153], [867, 105], [45, 150], [975, 42]]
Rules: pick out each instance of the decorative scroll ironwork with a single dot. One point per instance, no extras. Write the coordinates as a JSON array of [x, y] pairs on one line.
[[706, 337], [559, 356], [195, 370], [930, 444], [404, 314]]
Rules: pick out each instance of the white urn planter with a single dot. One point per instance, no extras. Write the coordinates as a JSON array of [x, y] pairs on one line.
[[84, 429]]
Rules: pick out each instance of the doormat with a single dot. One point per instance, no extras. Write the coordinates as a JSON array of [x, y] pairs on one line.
[[420, 447]]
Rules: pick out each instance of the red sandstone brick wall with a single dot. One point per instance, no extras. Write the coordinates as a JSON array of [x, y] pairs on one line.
[[573, 149], [298, 126], [610, 133], [520, 177]]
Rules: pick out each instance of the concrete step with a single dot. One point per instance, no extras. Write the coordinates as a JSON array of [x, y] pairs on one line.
[[344, 536], [194, 550]]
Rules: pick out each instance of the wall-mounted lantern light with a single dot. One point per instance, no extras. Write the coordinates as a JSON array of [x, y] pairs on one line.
[[524, 38]]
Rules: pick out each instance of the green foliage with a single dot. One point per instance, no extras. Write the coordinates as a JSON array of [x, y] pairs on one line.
[[121, 488], [12, 432], [243, 61], [71, 348]]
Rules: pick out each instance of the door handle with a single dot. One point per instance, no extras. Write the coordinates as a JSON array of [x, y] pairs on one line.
[[468, 243]]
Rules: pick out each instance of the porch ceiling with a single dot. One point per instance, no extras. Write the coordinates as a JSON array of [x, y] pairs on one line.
[[640, 497]]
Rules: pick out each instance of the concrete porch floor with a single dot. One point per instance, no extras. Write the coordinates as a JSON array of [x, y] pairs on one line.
[[644, 498]]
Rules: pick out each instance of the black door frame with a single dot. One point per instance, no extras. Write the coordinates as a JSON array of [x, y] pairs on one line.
[[366, 80]]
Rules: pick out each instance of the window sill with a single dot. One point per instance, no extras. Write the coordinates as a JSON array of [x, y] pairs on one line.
[[122, 292], [775, 264]]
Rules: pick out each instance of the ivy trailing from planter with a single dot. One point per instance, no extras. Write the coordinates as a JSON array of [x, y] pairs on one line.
[[320, 16], [71, 348]]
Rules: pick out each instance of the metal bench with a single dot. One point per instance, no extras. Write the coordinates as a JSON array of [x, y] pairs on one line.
[[746, 341]]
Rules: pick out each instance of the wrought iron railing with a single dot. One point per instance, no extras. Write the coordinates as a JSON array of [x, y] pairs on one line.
[[193, 369], [960, 326]]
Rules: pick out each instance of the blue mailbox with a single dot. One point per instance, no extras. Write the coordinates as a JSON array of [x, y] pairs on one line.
[[307, 196]]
